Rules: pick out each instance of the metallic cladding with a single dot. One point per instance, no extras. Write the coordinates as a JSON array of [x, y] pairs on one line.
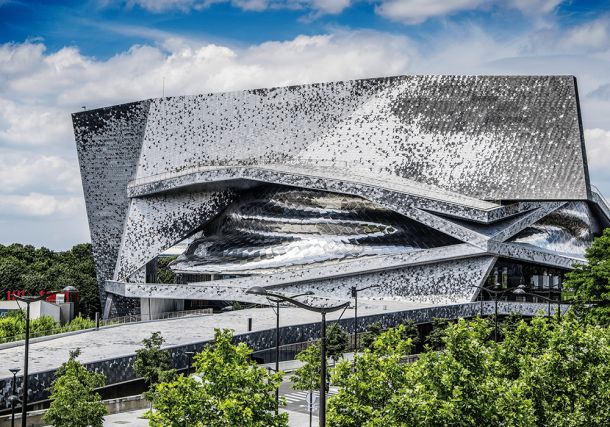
[[275, 227], [481, 159], [488, 137]]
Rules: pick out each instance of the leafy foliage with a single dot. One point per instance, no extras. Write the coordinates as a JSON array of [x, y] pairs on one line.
[[547, 372], [229, 390], [365, 387], [591, 282], [366, 340], [12, 326], [23, 267], [434, 340], [74, 402], [307, 377], [337, 341], [152, 363], [164, 273]]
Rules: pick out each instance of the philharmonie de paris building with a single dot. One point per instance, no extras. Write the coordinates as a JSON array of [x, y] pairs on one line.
[[427, 188]]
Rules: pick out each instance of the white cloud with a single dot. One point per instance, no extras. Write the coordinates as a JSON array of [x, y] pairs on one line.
[[319, 7], [21, 172], [598, 150], [40, 205], [418, 11], [598, 157], [39, 90], [22, 124], [535, 7], [591, 35]]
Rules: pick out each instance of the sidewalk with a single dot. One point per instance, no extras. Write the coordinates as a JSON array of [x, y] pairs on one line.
[[133, 419], [291, 365]]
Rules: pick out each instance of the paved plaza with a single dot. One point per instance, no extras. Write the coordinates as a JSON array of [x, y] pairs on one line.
[[113, 342]]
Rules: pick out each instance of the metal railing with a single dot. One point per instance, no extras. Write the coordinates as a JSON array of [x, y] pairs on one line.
[[159, 316], [38, 334]]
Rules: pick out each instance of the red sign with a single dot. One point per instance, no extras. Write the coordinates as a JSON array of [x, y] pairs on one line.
[[50, 298]]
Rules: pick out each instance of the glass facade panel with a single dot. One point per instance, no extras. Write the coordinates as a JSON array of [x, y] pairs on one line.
[[536, 279]]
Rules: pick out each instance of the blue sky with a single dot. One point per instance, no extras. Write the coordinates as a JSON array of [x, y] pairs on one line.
[[56, 57]]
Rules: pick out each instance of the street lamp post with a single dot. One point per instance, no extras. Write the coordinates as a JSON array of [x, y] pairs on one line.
[[189, 357], [355, 296], [277, 342], [257, 290], [495, 293], [27, 299], [14, 398]]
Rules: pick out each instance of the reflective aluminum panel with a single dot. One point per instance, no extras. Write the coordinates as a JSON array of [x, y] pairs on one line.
[[276, 227], [568, 230]]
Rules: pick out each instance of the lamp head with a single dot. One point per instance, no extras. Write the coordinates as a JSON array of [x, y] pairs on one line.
[[519, 290], [14, 370], [257, 290]]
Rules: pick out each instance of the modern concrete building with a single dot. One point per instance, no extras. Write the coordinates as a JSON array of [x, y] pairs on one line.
[[428, 186]]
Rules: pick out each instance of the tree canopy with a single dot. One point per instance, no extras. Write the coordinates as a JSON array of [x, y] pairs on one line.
[[24, 267], [545, 372], [74, 401], [591, 282], [152, 363], [229, 389]]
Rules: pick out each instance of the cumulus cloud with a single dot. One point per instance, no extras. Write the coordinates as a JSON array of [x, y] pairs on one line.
[[187, 68], [38, 167], [418, 11], [590, 35], [40, 205], [22, 172], [598, 150], [319, 7]]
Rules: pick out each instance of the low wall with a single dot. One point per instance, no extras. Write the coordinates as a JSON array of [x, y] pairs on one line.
[[120, 369], [114, 406]]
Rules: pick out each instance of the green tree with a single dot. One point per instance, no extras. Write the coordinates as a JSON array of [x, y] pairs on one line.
[[564, 368], [307, 377], [458, 386], [164, 273], [366, 340], [374, 377], [435, 338], [74, 402], [337, 342], [229, 389], [152, 363], [545, 372], [411, 331], [591, 282], [30, 269]]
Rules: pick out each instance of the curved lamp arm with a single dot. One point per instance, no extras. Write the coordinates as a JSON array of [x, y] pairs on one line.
[[258, 290]]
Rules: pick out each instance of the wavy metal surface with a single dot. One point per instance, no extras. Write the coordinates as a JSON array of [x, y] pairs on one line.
[[568, 230], [275, 227]]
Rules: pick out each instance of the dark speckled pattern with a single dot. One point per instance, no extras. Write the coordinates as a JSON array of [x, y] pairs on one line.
[[478, 158]]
